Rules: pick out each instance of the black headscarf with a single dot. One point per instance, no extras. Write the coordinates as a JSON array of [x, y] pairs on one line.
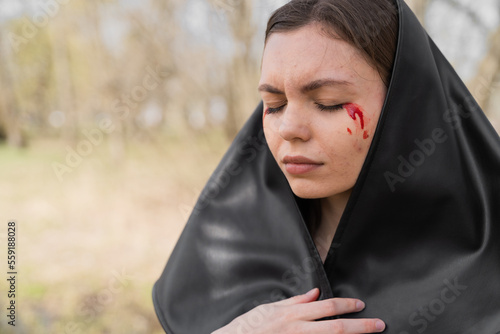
[[419, 240]]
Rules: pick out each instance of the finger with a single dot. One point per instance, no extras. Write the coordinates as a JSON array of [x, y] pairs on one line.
[[310, 296], [329, 307], [344, 326]]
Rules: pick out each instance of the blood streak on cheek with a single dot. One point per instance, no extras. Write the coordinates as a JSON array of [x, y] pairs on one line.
[[355, 112]]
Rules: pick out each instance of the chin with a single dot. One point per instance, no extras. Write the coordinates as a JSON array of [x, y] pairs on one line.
[[314, 190]]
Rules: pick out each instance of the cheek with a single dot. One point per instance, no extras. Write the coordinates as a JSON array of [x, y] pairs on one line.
[[272, 139], [342, 148], [360, 121], [349, 138], [346, 153], [270, 123]]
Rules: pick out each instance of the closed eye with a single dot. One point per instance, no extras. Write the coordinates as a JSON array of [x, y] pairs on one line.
[[329, 108], [321, 107], [270, 110]]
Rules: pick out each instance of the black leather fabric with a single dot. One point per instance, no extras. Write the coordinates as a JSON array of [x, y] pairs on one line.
[[419, 240]]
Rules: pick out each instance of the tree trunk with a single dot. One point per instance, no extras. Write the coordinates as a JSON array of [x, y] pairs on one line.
[[10, 105], [242, 73]]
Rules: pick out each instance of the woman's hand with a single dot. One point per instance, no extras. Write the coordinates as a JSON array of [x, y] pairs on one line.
[[298, 314]]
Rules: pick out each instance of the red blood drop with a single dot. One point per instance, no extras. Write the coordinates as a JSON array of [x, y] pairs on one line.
[[365, 135], [353, 110], [349, 130]]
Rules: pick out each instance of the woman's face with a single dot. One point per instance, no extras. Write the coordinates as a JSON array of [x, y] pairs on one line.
[[322, 101]]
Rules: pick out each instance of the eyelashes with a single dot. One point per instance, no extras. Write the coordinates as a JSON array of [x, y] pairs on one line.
[[318, 105], [274, 110], [329, 108]]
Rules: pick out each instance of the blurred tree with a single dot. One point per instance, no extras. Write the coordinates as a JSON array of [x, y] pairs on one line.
[[242, 74], [485, 84], [487, 80], [65, 97], [88, 60], [419, 7], [10, 129], [12, 106]]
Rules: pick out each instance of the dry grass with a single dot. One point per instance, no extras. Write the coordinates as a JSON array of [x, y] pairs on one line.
[[105, 219]]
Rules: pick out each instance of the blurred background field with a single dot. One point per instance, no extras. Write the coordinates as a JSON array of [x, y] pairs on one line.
[[91, 247], [114, 113]]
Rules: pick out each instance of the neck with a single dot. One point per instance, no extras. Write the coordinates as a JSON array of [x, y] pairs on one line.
[[332, 209]]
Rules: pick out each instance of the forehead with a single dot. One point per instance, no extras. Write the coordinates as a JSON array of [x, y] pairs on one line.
[[308, 53]]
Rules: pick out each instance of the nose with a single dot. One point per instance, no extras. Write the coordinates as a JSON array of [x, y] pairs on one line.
[[294, 124]]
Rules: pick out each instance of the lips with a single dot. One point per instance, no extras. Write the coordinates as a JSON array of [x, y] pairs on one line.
[[300, 165]]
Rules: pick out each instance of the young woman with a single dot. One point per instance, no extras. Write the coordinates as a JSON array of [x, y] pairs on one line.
[[368, 177]]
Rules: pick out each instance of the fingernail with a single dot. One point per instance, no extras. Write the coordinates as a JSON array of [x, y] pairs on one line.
[[311, 292], [380, 325], [360, 305]]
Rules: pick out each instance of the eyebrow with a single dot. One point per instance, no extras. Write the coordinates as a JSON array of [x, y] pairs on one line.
[[322, 83], [311, 86], [270, 89]]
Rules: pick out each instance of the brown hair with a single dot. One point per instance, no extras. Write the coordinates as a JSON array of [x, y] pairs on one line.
[[371, 26]]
